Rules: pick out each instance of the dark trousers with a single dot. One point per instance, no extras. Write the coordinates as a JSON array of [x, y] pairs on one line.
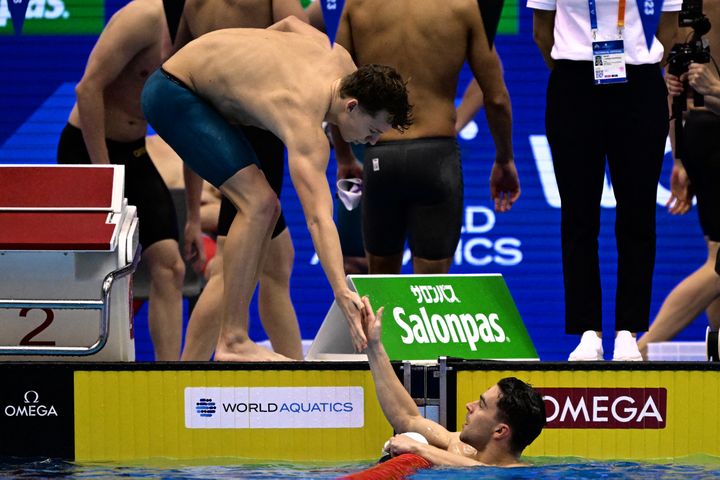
[[627, 124]]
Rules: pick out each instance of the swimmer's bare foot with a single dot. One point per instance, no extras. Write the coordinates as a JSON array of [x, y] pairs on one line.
[[247, 351]]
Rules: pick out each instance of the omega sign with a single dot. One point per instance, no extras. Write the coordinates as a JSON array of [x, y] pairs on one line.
[[31, 407], [642, 408]]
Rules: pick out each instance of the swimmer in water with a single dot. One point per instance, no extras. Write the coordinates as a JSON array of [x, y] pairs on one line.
[[498, 426]]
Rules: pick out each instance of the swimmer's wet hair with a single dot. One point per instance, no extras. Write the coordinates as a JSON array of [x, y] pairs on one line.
[[523, 408], [379, 87]]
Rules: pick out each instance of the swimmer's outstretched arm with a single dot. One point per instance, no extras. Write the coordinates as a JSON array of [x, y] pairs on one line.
[[308, 153], [396, 403]]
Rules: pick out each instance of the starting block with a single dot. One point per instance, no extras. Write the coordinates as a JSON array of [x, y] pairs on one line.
[[68, 247]]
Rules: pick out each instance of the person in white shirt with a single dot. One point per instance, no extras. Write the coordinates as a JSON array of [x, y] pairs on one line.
[[606, 99]]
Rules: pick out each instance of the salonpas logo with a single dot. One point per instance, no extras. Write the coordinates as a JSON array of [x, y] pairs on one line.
[[465, 316], [56, 17], [468, 328]]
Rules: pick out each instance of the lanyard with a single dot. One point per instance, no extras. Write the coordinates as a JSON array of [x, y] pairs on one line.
[[594, 22]]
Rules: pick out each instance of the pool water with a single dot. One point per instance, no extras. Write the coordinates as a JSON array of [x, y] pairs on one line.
[[698, 467]]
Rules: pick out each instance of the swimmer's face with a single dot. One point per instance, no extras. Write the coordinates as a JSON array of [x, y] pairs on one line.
[[481, 421], [358, 126]]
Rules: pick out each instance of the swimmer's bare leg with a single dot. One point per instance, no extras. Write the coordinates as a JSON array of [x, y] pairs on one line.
[[390, 264], [274, 303], [246, 244], [167, 272], [423, 266], [203, 327]]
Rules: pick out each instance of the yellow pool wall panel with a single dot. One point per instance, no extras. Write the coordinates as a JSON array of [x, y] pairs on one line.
[[124, 415], [692, 421]]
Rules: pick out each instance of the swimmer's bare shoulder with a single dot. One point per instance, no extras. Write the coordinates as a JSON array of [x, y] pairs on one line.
[[458, 447]]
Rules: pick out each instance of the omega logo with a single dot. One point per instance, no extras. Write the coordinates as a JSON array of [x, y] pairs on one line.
[[31, 407]]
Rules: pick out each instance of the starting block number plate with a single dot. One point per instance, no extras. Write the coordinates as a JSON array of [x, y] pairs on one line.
[[45, 327]]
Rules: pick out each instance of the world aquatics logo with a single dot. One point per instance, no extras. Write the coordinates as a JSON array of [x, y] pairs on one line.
[[205, 407]]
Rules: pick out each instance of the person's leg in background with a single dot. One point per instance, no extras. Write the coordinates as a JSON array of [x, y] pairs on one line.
[[637, 114], [277, 313], [713, 314], [577, 146], [701, 289], [698, 292], [349, 226], [159, 238], [384, 223], [167, 272], [145, 189], [436, 214], [204, 324]]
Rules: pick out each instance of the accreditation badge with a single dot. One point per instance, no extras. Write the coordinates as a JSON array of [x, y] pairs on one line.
[[609, 62]]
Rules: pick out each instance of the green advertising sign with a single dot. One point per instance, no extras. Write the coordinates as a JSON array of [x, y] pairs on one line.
[[465, 316], [56, 17], [509, 19]]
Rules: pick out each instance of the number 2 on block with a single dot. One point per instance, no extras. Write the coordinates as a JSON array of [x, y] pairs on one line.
[[27, 340]]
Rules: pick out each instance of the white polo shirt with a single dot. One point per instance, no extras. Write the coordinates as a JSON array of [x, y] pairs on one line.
[[573, 36]]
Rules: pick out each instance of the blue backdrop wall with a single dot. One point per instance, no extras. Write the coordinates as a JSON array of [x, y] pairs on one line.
[[39, 69]]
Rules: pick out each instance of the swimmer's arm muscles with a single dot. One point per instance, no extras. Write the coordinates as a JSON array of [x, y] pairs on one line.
[[308, 153], [485, 65], [124, 37], [544, 33], [471, 103], [397, 404]]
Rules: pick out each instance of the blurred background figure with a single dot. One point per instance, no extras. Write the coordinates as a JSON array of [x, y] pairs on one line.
[[696, 172]]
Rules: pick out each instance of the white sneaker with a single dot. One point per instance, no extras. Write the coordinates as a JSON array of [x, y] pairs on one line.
[[626, 349], [590, 348]]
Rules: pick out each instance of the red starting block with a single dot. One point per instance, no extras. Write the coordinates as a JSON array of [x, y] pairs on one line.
[[68, 248]]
